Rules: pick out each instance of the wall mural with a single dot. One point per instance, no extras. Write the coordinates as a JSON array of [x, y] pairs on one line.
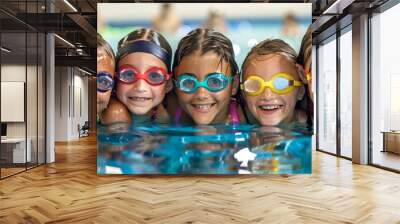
[[195, 88]]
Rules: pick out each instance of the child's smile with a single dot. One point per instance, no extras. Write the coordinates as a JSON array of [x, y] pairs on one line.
[[140, 97], [268, 109], [204, 106], [139, 101], [271, 108]]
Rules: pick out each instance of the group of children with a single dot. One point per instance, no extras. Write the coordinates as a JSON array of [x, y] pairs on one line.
[[201, 83]]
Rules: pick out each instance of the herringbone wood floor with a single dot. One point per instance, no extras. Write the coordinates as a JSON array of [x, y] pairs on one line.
[[69, 191]]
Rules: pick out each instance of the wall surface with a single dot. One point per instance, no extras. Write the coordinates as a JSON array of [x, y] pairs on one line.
[[12, 73], [33, 126], [61, 103], [71, 102]]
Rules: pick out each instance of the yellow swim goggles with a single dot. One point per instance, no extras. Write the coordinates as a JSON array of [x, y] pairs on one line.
[[308, 74], [281, 83]]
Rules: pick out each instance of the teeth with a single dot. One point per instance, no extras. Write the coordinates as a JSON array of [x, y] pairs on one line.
[[203, 106], [139, 98], [270, 107]]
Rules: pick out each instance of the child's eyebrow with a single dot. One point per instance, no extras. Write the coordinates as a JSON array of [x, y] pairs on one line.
[[185, 73]]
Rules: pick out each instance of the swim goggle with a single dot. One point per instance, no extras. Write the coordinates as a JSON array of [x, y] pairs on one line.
[[281, 83], [154, 76], [214, 82], [308, 74], [105, 81]]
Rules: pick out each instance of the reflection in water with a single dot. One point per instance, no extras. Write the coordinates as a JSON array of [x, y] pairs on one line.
[[235, 149]]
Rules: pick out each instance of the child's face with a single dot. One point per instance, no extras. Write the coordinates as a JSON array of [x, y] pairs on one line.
[[270, 108], [105, 63], [140, 97], [203, 106]]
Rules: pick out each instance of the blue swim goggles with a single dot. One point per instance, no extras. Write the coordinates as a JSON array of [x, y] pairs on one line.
[[214, 82], [105, 82]]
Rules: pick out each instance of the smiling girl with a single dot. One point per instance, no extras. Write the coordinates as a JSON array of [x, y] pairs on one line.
[[272, 84], [206, 79], [143, 77]]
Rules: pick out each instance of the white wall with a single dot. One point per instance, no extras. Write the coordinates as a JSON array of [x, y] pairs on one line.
[[61, 103], [12, 73], [80, 94], [33, 127], [70, 83]]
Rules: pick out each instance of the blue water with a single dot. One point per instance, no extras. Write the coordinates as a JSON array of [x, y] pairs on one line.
[[239, 149]]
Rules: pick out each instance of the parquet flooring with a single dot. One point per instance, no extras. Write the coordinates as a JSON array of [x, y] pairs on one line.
[[70, 191], [9, 171]]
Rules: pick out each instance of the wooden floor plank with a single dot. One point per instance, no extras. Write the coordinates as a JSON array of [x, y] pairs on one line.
[[70, 191]]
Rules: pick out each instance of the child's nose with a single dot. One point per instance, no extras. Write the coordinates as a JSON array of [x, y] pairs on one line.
[[140, 85], [202, 93], [268, 92]]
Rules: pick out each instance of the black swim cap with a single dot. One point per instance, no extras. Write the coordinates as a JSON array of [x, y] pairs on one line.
[[125, 47]]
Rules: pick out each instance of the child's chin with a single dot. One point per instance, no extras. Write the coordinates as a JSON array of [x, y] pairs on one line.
[[270, 122], [202, 121], [139, 111]]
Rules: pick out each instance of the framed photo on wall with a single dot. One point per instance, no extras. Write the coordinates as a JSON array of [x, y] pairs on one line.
[[194, 88]]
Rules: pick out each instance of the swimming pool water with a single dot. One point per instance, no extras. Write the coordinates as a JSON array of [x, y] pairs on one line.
[[238, 149]]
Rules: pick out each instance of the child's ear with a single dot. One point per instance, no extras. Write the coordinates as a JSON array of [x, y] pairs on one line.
[[302, 75], [301, 93], [235, 85]]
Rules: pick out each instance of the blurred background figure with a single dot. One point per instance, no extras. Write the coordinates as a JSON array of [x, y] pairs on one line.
[[290, 27], [175, 21], [167, 21], [215, 20]]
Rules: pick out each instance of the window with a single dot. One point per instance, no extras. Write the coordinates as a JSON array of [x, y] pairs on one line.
[[327, 96], [22, 71], [346, 75], [385, 89]]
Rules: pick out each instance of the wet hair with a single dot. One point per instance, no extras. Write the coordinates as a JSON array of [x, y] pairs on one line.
[[144, 34], [305, 48], [302, 58], [104, 46], [204, 41], [271, 46]]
